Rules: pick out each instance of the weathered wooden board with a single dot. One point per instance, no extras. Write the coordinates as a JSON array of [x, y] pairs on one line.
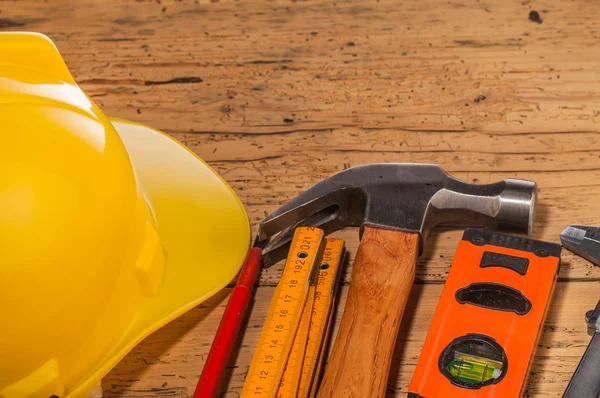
[[278, 95]]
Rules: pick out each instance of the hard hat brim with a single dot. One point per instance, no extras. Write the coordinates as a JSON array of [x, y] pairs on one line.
[[201, 224]]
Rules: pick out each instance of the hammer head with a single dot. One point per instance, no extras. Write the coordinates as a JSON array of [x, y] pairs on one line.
[[403, 196]]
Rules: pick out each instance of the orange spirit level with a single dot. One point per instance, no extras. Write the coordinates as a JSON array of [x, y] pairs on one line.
[[485, 330]]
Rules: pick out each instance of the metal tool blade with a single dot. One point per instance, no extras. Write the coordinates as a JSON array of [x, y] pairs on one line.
[[585, 382], [583, 240]]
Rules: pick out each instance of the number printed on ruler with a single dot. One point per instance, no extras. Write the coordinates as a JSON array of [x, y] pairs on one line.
[[320, 324], [284, 315], [290, 381], [314, 324]]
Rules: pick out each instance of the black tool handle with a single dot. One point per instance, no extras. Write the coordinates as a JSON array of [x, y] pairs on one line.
[[585, 383]]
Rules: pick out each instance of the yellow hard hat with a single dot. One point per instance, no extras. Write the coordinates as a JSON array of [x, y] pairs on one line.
[[108, 229]]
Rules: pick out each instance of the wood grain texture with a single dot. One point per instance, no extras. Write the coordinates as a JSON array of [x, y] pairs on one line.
[[278, 95], [382, 278]]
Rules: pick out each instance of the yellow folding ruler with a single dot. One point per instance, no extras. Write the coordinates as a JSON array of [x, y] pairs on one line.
[[330, 268], [291, 344]]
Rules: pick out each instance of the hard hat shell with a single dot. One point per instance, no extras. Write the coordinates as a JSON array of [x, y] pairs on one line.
[[108, 229]]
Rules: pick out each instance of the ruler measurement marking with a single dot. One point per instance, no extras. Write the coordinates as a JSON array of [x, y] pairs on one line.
[[277, 336], [326, 286]]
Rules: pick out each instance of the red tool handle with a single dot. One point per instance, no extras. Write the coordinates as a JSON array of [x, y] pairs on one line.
[[229, 326]]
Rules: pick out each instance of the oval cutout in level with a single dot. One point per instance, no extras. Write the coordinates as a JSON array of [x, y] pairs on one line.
[[494, 296]]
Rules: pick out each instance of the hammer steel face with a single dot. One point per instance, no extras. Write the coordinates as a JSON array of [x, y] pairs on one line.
[[400, 196]]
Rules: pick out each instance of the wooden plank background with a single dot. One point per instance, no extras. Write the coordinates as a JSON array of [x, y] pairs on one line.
[[278, 95]]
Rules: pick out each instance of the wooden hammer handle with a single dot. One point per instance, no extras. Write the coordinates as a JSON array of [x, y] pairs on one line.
[[382, 276]]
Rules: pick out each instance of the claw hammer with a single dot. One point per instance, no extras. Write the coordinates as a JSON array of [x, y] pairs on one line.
[[395, 205]]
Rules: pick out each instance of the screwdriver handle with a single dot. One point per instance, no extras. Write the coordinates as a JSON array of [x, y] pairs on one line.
[[229, 326]]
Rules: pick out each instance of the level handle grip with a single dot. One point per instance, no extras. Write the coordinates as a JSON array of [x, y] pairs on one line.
[[585, 383], [229, 327], [382, 276]]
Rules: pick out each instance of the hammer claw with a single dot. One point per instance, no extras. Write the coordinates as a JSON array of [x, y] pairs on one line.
[[344, 205]]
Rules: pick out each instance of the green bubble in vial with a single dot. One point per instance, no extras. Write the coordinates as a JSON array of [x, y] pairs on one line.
[[473, 371]]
